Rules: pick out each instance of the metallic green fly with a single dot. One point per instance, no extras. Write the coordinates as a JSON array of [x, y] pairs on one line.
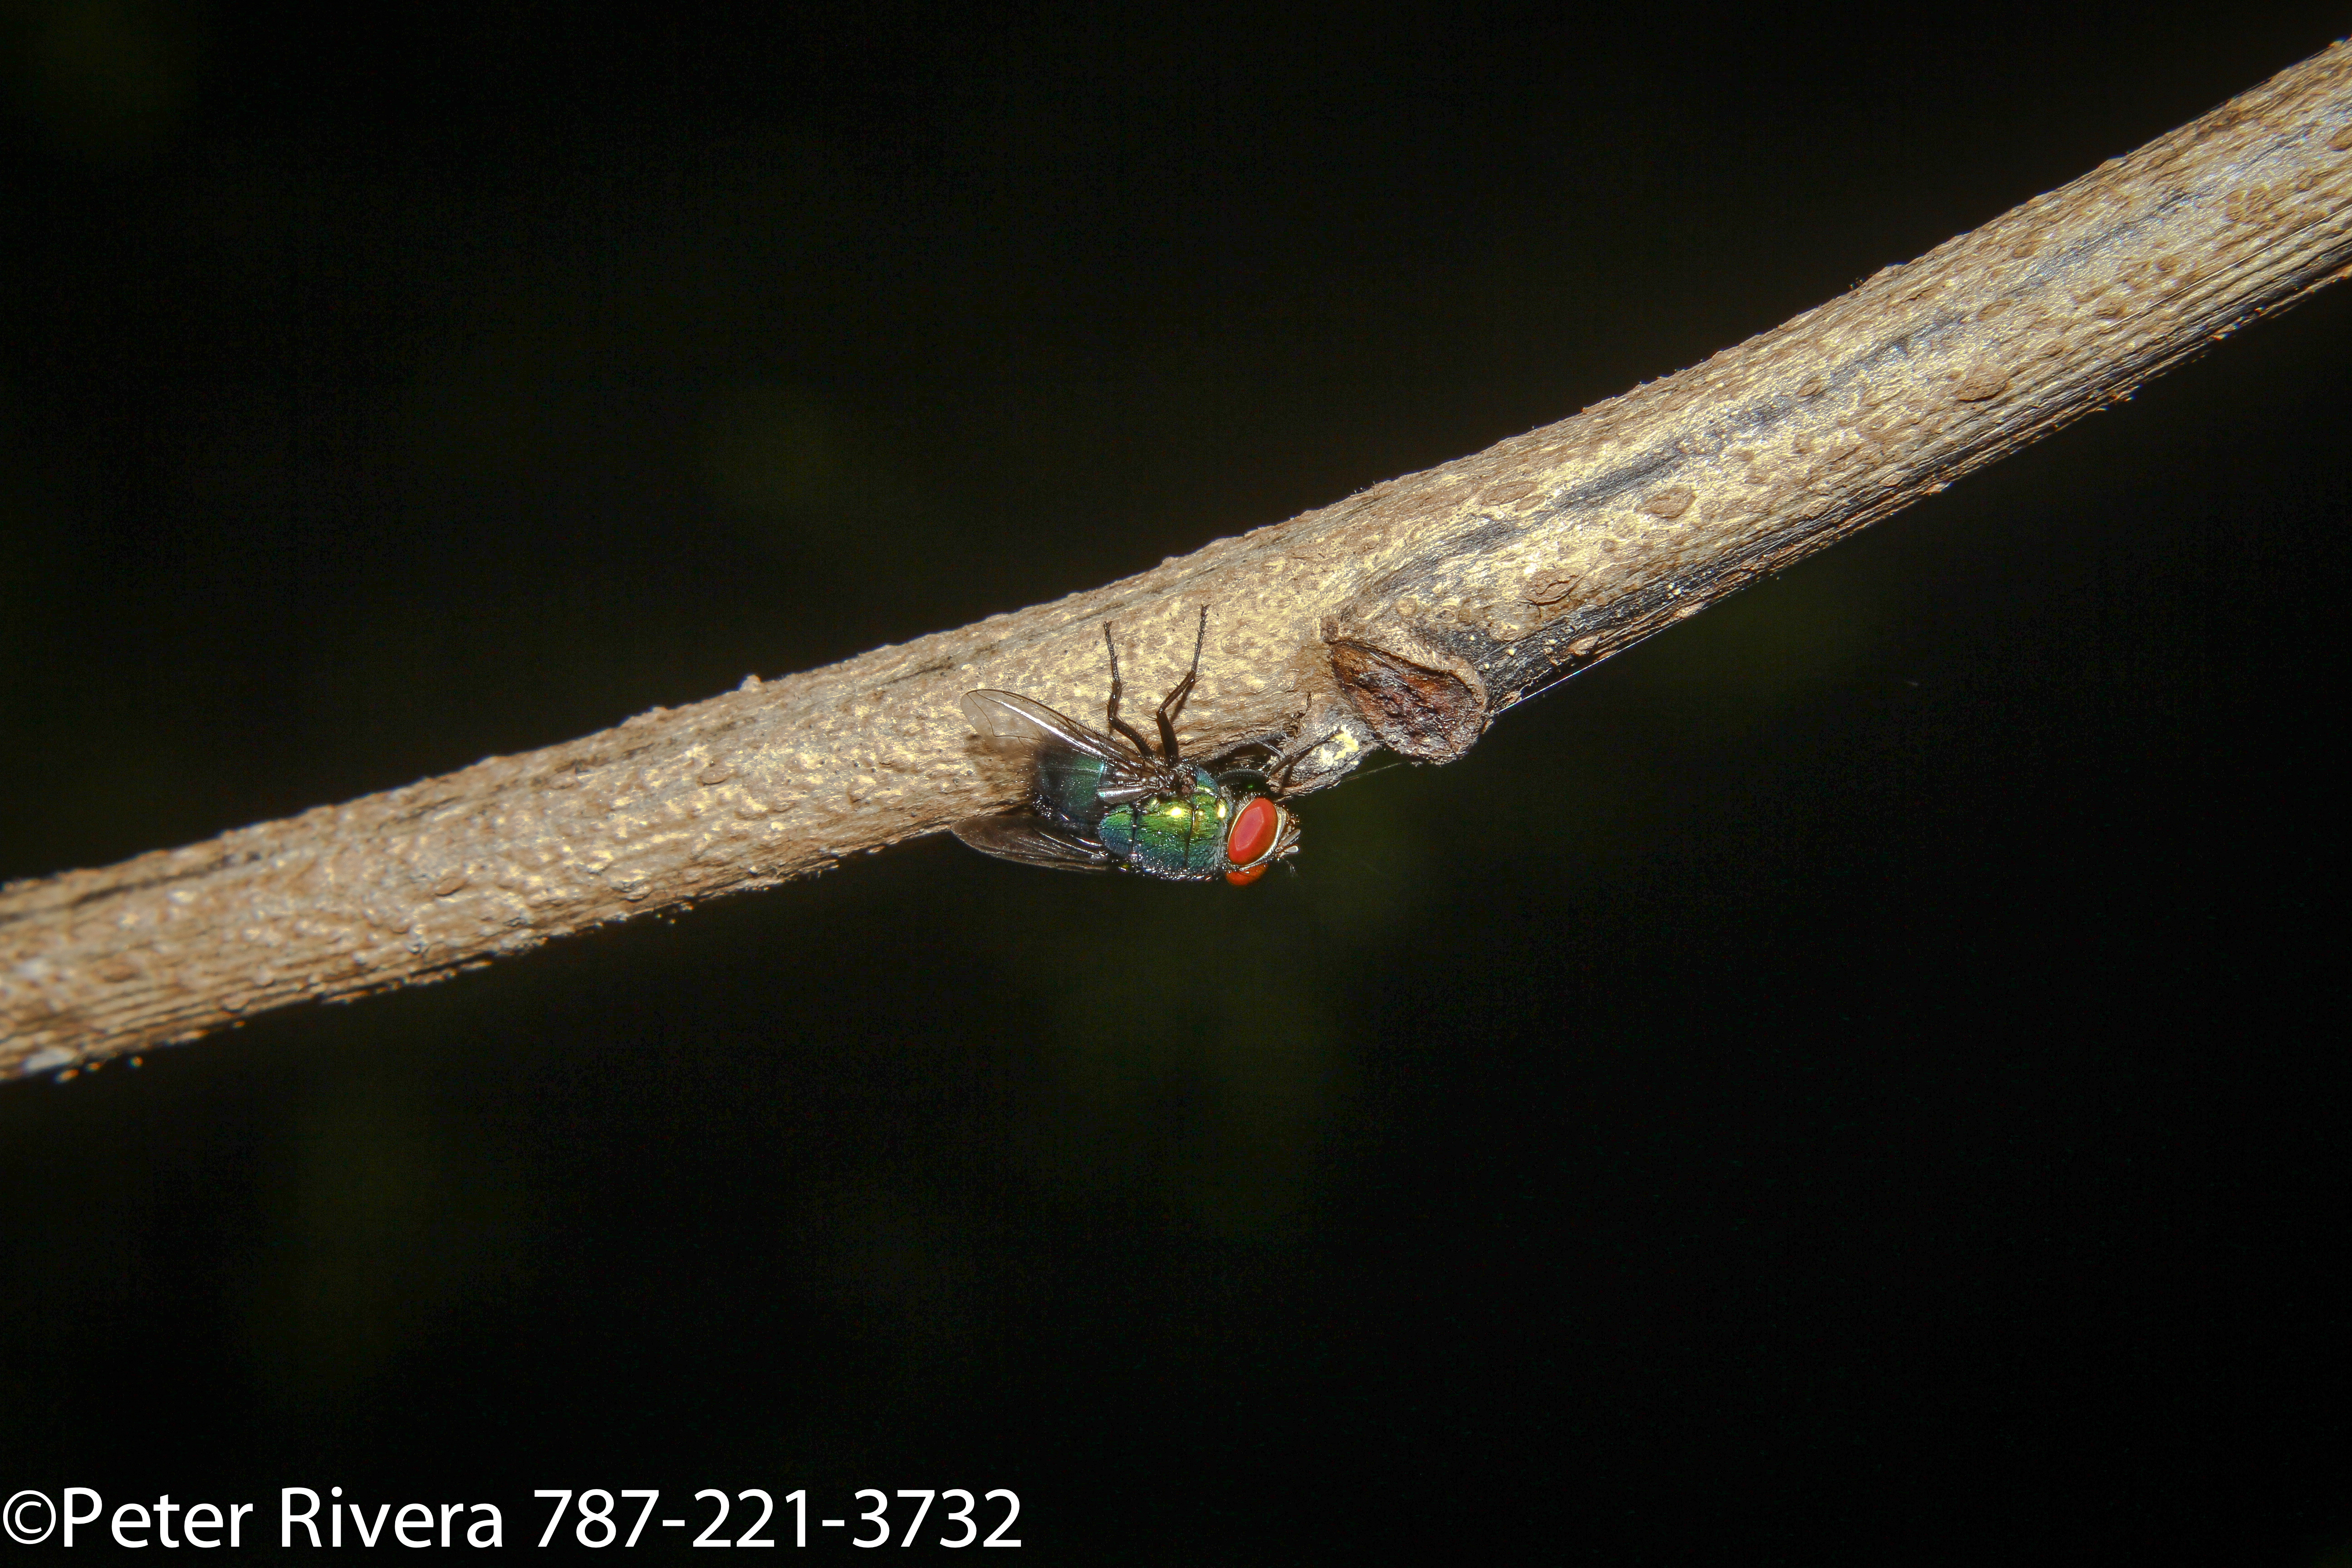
[[1094, 806]]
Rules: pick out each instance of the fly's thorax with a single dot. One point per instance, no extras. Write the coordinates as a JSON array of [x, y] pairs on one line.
[[1180, 835]]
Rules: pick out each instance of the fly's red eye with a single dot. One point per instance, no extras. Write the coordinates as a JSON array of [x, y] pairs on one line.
[[1253, 831], [1244, 878]]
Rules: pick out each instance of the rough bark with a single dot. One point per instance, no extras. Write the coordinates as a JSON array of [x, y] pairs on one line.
[[1407, 615]]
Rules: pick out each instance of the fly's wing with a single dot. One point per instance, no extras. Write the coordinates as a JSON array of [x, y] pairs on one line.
[[1034, 842], [1008, 721]]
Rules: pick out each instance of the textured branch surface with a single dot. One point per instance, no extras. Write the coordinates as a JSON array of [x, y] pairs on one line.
[[1407, 615]]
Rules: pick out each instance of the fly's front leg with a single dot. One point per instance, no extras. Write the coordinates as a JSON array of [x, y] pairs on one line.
[[1268, 747], [1173, 704], [1282, 767], [1121, 726]]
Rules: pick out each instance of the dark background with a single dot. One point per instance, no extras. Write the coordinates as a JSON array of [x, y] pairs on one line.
[[1858, 1074]]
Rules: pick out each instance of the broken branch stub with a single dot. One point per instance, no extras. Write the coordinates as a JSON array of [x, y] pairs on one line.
[[1407, 615], [1429, 715]]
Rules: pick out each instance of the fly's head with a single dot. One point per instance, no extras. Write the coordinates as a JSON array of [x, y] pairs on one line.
[[1259, 829]]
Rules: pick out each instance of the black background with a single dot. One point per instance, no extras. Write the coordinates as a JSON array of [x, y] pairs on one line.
[[1858, 1074]]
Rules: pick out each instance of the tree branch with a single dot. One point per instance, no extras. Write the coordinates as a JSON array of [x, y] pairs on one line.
[[1407, 615]]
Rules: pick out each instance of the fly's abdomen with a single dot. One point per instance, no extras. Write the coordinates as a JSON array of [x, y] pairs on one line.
[[1068, 785]]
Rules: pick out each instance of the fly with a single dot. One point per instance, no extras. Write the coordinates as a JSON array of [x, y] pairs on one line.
[[1096, 806]]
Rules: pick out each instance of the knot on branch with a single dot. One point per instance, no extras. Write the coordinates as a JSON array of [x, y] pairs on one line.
[[1430, 715]]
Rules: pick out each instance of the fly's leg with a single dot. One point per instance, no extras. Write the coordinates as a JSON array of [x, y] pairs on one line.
[[1282, 767], [1173, 704], [1269, 748], [1118, 725]]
